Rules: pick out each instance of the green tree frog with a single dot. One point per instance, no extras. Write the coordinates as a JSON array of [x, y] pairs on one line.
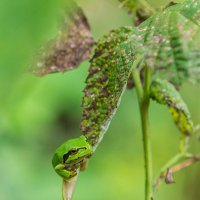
[[71, 156]]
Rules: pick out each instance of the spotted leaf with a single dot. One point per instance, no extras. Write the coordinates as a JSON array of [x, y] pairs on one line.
[[191, 10], [165, 93], [168, 42], [110, 68]]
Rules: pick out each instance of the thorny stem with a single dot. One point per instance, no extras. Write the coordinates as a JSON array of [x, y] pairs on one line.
[[143, 99]]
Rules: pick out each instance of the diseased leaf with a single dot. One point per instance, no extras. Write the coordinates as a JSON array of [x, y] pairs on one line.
[[167, 44], [72, 45], [110, 68], [191, 10], [165, 93], [170, 43], [194, 69]]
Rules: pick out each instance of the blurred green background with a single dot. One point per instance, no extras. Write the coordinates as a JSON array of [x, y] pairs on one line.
[[38, 114]]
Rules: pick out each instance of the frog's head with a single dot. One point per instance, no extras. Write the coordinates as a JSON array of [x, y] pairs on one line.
[[70, 156]]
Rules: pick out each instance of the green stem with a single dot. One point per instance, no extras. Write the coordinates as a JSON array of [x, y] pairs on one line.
[[170, 163], [147, 149], [143, 99], [183, 146], [183, 153], [138, 84], [148, 6], [143, 3]]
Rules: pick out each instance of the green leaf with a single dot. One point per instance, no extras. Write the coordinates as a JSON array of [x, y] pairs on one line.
[[110, 68], [168, 42], [71, 46], [165, 93], [191, 10]]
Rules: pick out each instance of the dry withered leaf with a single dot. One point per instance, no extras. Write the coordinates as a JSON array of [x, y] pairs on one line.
[[72, 45]]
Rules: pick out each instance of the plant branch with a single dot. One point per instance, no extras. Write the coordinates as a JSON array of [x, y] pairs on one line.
[[184, 143], [147, 82], [147, 150], [183, 147], [143, 3], [168, 173], [144, 112], [138, 84], [136, 77], [68, 188], [163, 170], [148, 6], [166, 169], [143, 99], [196, 131], [194, 159]]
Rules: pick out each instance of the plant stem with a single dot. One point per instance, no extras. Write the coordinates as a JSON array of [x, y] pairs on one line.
[[68, 188], [169, 167], [143, 99], [170, 163], [144, 111], [138, 84], [148, 6], [182, 154], [147, 149]]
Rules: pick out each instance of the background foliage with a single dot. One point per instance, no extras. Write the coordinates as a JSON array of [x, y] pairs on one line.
[[38, 114]]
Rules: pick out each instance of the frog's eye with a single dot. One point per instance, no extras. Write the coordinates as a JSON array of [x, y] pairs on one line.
[[73, 151]]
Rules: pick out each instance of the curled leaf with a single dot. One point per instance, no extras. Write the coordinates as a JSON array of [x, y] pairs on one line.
[[165, 93], [72, 45], [110, 68]]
